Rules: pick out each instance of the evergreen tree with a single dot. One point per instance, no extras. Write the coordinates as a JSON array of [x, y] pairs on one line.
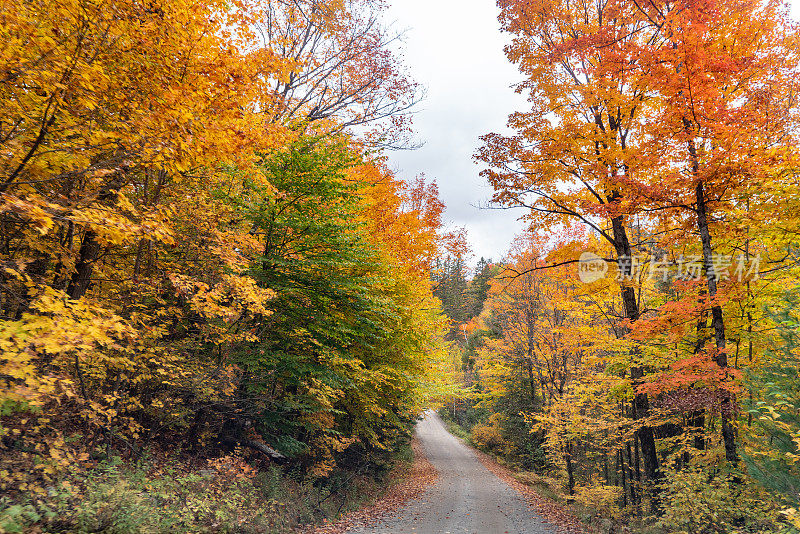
[[450, 287], [478, 287]]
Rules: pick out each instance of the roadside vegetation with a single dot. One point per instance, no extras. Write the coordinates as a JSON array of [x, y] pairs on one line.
[[215, 302], [638, 347], [165, 493], [545, 393]]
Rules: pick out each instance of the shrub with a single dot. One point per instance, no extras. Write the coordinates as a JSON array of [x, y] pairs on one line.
[[490, 437], [601, 500], [697, 501]]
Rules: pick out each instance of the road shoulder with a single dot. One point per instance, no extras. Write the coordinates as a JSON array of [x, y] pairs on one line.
[[551, 511]]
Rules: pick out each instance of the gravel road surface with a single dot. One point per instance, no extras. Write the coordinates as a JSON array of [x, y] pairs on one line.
[[466, 499]]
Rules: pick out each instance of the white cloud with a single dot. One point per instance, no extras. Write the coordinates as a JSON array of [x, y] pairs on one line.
[[455, 49]]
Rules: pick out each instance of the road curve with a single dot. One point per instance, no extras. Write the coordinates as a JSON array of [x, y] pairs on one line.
[[466, 499]]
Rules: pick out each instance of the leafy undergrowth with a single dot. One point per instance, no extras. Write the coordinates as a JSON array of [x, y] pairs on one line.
[[408, 481], [220, 495]]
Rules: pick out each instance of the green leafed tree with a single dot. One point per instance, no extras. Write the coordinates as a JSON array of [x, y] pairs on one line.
[[773, 408], [337, 360]]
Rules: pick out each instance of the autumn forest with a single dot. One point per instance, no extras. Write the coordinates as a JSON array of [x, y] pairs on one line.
[[223, 310]]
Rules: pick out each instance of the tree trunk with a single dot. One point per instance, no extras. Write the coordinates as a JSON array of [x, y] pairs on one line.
[[638, 471], [623, 472], [532, 389], [717, 320], [640, 404], [90, 248], [631, 483], [82, 277], [570, 470], [695, 421]]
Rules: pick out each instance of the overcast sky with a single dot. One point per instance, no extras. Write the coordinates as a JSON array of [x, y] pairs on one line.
[[455, 49]]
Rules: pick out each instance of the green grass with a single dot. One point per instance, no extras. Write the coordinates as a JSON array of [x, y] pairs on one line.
[[458, 431], [454, 428]]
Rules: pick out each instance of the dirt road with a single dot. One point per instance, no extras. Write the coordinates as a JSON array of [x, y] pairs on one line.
[[466, 499]]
